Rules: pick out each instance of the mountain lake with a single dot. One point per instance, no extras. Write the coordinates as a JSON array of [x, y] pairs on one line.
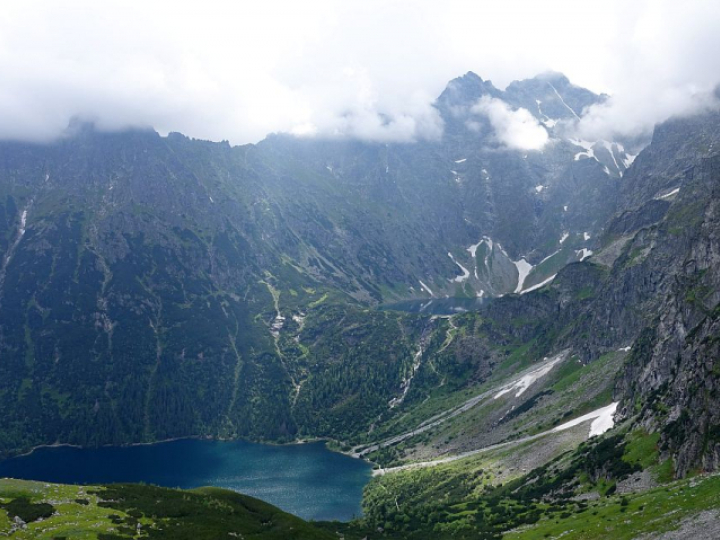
[[307, 480]]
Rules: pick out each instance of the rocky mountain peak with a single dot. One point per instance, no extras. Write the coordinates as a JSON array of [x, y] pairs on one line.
[[466, 90], [550, 96]]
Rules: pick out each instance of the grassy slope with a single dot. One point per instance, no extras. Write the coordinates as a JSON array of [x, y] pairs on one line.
[[576, 495], [626, 517], [138, 511]]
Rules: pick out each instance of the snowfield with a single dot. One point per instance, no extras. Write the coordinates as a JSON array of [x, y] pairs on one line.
[[583, 253], [523, 268], [524, 382], [669, 194], [426, 288], [541, 284], [603, 420], [465, 271]]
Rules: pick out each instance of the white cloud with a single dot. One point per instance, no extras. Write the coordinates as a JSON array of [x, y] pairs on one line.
[[515, 129], [353, 68], [637, 113], [348, 105], [662, 65]]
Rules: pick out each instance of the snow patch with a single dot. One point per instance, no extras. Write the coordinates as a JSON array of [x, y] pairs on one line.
[[491, 247], [523, 268], [586, 236], [426, 288], [541, 284], [211, 199], [605, 421], [524, 382], [465, 271], [624, 349], [549, 122], [565, 208], [668, 195], [629, 160], [549, 257], [473, 252], [564, 237], [488, 242], [23, 222], [538, 189], [463, 160], [602, 417], [473, 249], [583, 253], [609, 147], [563, 102], [587, 145]]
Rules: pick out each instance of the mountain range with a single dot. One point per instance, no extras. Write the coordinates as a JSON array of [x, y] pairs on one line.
[[155, 287]]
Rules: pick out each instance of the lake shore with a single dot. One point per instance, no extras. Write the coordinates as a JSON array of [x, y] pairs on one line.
[[303, 477]]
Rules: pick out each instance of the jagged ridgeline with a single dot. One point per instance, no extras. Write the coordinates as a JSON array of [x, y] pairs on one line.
[[157, 287]]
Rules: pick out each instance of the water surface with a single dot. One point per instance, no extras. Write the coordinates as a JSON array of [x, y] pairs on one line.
[[304, 479], [437, 306]]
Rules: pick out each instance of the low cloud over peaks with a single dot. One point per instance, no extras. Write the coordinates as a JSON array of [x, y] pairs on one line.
[[349, 105], [637, 114], [367, 69], [514, 129]]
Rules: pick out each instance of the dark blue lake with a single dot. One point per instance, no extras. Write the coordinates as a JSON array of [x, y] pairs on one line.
[[307, 480]]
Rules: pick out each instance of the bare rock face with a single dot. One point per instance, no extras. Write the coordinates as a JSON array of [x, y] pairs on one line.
[[663, 294]]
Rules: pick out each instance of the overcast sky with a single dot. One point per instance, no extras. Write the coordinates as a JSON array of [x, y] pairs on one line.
[[239, 70]]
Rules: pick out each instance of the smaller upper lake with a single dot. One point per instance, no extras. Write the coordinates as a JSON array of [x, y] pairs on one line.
[[437, 306], [307, 480]]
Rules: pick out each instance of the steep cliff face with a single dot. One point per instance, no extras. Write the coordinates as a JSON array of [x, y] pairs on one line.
[[671, 381], [661, 290]]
